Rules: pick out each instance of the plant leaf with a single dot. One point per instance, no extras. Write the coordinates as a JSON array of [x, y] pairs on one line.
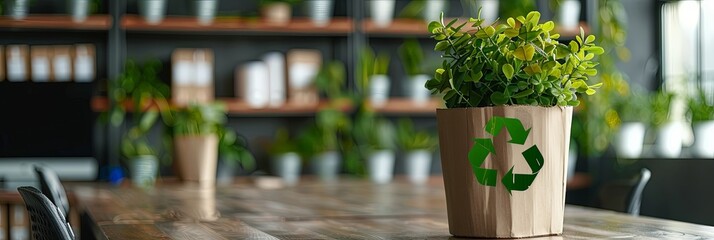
[[508, 71], [524, 53]]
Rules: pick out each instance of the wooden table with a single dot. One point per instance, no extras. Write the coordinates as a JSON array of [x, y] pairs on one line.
[[346, 209]]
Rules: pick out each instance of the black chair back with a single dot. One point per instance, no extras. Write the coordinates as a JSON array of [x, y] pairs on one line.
[[625, 195], [46, 222], [53, 189]]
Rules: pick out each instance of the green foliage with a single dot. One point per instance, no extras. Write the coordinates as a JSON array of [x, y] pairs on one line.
[[660, 105], [233, 149], [199, 119], [515, 8], [699, 107], [520, 62], [331, 78], [412, 57], [372, 133], [371, 65], [635, 107], [324, 136], [268, 2], [282, 143], [410, 139]]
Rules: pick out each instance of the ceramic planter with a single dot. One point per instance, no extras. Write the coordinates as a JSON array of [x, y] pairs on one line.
[[669, 140], [287, 166], [703, 139], [196, 159], [432, 9], [379, 89], [380, 166], [78, 9], [225, 171], [143, 170], [382, 12], [326, 165], [630, 140], [569, 14], [153, 11], [414, 89], [504, 169], [489, 9], [17, 9], [205, 11], [278, 13], [320, 11], [417, 164]]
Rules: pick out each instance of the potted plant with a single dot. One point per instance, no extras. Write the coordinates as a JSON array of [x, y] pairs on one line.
[[382, 12], [504, 137], [285, 158], [633, 111], [433, 9], [320, 11], [80, 9], [669, 133], [17, 9], [153, 11], [205, 11], [277, 12], [488, 9], [320, 142], [375, 137], [412, 58], [148, 97], [195, 131], [232, 154], [568, 13], [374, 74], [417, 148], [702, 113]]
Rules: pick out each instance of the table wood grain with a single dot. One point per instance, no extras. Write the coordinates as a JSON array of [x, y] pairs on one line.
[[345, 209]]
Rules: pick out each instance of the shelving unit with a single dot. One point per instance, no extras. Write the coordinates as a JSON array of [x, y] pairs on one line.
[[58, 22], [401, 28]]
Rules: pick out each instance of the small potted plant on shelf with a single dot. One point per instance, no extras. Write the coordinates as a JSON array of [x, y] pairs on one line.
[[374, 76], [417, 147], [669, 133], [702, 113], [375, 138], [16, 9], [232, 154], [153, 11], [320, 11], [285, 158], [80, 9], [633, 111], [148, 97], [195, 131], [568, 13], [382, 12], [320, 142], [277, 12], [205, 11], [488, 9], [412, 58], [504, 137]]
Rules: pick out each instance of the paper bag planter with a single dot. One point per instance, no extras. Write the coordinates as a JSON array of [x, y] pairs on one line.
[[509, 194]]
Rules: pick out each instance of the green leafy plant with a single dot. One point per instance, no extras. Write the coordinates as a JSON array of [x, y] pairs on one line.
[[660, 105], [282, 143], [325, 134], [331, 79], [520, 62], [373, 133], [412, 57], [634, 107], [199, 119], [371, 65], [234, 149], [409, 139], [514, 8], [699, 108]]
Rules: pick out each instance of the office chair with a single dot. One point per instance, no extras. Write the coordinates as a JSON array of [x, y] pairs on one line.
[[53, 189], [625, 195], [46, 221]]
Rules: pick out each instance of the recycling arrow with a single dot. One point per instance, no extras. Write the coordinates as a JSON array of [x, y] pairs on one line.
[[482, 147]]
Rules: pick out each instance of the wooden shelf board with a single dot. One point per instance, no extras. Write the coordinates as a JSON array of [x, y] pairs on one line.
[[403, 106], [93, 22], [418, 28], [338, 26]]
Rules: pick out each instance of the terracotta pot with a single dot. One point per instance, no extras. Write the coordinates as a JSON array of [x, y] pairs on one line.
[[196, 159], [509, 181], [277, 13]]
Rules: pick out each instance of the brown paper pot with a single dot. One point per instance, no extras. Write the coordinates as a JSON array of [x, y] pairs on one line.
[[196, 158], [478, 210]]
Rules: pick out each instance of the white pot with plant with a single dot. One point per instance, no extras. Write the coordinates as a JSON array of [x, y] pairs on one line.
[[320, 142], [412, 57], [285, 158], [205, 11], [233, 154], [320, 11], [417, 148], [153, 11], [80, 9], [633, 112], [374, 73], [433, 9], [277, 12], [488, 8], [504, 137], [702, 113], [375, 137], [195, 130], [382, 12], [669, 133], [568, 14], [17, 9]]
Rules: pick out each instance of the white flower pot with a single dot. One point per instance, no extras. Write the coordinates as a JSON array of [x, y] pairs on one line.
[[489, 9], [206, 11], [669, 140], [382, 12], [380, 166], [703, 139], [320, 11], [79, 9], [378, 89], [17, 9], [630, 140], [572, 159], [326, 165], [569, 14], [287, 166], [226, 171], [416, 165], [153, 11], [143, 170], [432, 9], [415, 90]]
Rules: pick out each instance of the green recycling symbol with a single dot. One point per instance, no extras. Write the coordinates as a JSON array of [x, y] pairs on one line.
[[484, 146]]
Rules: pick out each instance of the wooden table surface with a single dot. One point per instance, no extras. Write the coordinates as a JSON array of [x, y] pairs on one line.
[[345, 209]]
